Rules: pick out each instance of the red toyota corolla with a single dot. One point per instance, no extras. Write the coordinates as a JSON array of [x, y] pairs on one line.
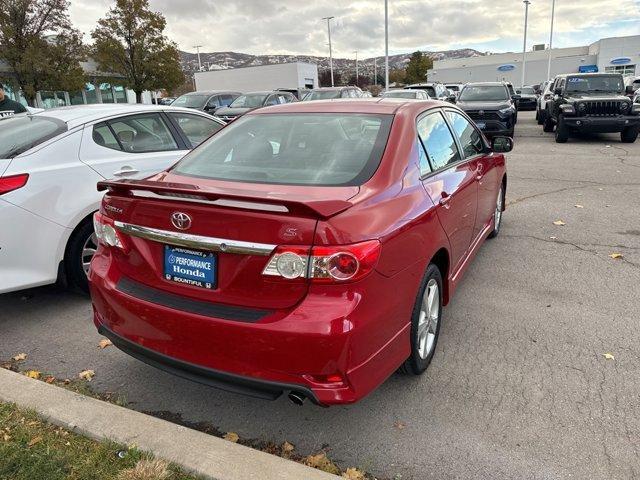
[[305, 248]]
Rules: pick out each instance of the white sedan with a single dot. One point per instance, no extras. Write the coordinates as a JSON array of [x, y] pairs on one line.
[[50, 163]]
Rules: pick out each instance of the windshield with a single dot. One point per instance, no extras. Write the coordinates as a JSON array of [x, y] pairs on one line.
[[19, 134], [527, 91], [322, 95], [599, 83], [487, 93], [293, 149], [190, 101], [401, 94], [253, 100]]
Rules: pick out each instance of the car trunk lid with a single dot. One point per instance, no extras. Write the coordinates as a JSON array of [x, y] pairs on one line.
[[240, 224]]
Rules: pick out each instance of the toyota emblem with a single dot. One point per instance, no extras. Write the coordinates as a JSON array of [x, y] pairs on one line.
[[181, 220]]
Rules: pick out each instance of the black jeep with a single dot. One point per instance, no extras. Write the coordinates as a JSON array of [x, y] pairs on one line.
[[591, 103]]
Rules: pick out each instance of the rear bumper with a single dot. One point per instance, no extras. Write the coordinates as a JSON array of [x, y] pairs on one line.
[[601, 124], [260, 353]]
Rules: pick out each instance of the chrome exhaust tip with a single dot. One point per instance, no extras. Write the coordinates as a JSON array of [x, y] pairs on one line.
[[297, 398]]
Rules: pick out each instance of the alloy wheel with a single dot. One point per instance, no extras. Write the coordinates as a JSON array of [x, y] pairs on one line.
[[88, 251], [428, 321]]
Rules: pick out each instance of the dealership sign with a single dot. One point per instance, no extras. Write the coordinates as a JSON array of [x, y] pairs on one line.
[[620, 61], [506, 68]]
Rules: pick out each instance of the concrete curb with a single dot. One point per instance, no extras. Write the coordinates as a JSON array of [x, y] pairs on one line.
[[194, 451]]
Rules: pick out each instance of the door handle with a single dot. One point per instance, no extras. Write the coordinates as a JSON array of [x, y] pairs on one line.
[[445, 198], [126, 170]]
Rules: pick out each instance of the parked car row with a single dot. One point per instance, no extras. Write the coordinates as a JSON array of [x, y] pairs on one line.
[[589, 103]]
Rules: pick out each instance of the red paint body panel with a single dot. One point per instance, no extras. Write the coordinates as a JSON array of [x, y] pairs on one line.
[[359, 331]]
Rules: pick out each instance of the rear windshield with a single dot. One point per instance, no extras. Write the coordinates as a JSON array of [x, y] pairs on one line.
[[401, 94], [323, 95], [293, 149], [190, 101], [21, 133], [252, 100]]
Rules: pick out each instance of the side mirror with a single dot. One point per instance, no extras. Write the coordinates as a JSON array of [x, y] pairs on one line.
[[502, 144], [557, 91], [518, 92], [515, 97], [629, 90], [452, 98]]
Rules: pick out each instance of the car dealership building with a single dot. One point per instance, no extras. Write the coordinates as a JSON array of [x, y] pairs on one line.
[[616, 54]]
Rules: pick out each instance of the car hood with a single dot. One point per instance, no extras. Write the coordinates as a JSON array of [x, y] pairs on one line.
[[232, 112], [483, 105], [597, 96]]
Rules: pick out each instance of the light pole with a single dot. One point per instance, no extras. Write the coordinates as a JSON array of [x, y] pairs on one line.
[[386, 45], [328, 19], [524, 46], [553, 12], [375, 71], [356, 52], [197, 47]]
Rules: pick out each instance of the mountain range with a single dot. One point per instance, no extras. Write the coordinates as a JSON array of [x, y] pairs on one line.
[[225, 60]]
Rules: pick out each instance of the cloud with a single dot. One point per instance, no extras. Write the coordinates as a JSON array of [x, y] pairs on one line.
[[294, 27]]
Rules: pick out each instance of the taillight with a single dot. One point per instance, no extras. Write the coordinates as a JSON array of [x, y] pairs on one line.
[[324, 264], [14, 182], [105, 231]]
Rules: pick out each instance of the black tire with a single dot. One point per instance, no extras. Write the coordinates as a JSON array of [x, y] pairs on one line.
[[562, 134], [547, 124], [73, 259], [497, 214], [629, 134], [540, 117], [416, 364]]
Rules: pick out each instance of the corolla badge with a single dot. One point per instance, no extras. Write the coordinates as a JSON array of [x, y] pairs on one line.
[[181, 220]]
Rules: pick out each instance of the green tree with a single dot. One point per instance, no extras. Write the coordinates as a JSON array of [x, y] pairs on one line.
[[397, 75], [129, 42], [40, 46], [417, 67]]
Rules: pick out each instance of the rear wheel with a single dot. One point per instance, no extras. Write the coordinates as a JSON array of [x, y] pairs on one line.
[[547, 124], [629, 134], [425, 322], [562, 133], [80, 250], [497, 214]]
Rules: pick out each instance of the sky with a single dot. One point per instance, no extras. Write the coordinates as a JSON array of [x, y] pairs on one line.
[[295, 27]]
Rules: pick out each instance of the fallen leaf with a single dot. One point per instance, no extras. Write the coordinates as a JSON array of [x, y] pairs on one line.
[[231, 437], [104, 343], [615, 256], [399, 425], [68, 444], [608, 356], [86, 375], [50, 379], [321, 462], [353, 474], [32, 374], [577, 205], [559, 223], [20, 357], [34, 441], [287, 447], [32, 423]]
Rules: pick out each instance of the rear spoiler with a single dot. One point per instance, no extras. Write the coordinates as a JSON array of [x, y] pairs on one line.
[[185, 191]]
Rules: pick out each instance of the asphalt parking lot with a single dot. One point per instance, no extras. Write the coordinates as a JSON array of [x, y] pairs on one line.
[[519, 387]]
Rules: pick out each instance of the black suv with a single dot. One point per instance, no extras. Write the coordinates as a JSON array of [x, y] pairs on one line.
[[592, 103], [491, 106]]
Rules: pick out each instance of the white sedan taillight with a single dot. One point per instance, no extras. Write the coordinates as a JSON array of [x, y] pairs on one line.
[[326, 264]]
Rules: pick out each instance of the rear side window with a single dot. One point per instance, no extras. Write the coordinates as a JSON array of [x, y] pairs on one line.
[[21, 133], [143, 133], [104, 137], [293, 149], [437, 140], [195, 127]]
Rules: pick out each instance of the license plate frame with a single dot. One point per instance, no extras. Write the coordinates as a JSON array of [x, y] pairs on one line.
[[190, 267]]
